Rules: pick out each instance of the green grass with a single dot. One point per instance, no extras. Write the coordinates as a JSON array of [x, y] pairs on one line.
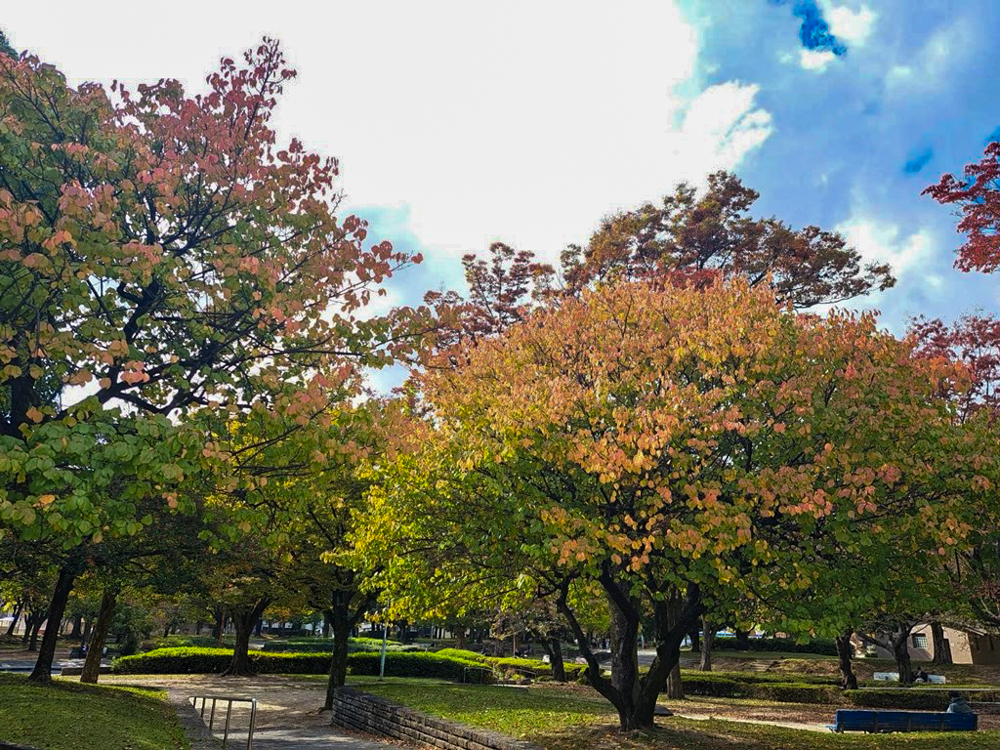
[[559, 720], [69, 716]]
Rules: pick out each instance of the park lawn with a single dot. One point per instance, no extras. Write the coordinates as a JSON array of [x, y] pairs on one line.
[[556, 720], [69, 716]]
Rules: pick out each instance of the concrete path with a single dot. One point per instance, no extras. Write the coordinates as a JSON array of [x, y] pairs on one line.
[[784, 724], [282, 721]]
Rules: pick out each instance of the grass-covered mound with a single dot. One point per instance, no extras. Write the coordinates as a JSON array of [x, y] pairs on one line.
[[69, 716], [215, 660]]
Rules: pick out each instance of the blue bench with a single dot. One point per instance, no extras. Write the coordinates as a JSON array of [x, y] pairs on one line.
[[856, 720]]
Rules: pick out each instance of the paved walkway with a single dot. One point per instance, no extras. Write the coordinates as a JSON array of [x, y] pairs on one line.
[[785, 724], [287, 716]]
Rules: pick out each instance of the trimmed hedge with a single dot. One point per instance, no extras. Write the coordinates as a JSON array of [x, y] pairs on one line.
[[513, 664], [825, 646], [461, 653], [730, 685], [913, 698], [325, 646], [213, 660], [715, 686]]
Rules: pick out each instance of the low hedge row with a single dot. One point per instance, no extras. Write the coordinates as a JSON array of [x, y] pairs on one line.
[[825, 646], [325, 646], [914, 698], [513, 664], [209, 660], [726, 686]]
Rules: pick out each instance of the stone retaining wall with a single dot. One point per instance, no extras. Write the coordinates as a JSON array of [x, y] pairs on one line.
[[369, 713]]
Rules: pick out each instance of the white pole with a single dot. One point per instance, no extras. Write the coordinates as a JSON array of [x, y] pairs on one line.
[[385, 636]]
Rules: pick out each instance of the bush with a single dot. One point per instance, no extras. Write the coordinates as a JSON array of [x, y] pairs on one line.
[[825, 646], [796, 692], [541, 669], [912, 698], [763, 687], [214, 660], [461, 653], [716, 686], [756, 678], [325, 645], [184, 660]]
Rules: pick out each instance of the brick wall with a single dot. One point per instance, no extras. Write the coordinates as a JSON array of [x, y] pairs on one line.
[[368, 713]]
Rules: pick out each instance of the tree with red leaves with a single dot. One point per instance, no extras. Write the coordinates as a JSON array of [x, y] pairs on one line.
[[978, 200]]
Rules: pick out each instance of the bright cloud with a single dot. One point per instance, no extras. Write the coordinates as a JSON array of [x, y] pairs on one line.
[[853, 26], [815, 60], [884, 242], [719, 128]]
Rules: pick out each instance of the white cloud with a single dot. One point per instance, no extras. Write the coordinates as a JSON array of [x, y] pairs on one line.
[[523, 121], [719, 128], [884, 242], [853, 27], [815, 60]]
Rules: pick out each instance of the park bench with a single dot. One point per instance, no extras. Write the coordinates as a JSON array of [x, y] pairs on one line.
[[860, 720]]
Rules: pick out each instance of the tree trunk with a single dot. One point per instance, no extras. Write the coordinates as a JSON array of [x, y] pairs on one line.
[[244, 618], [742, 639], [341, 626], [901, 652], [219, 626], [64, 584], [106, 615], [633, 697], [675, 687], [695, 636], [32, 634], [30, 617], [18, 608], [845, 651], [553, 647], [77, 630], [942, 649], [708, 640], [460, 637]]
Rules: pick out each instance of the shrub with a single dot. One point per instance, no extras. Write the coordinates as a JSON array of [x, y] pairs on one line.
[[912, 698], [716, 686], [325, 645], [796, 692], [825, 646], [461, 653], [184, 660], [209, 660]]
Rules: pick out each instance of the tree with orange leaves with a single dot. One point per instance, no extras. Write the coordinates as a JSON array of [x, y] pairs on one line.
[[677, 448]]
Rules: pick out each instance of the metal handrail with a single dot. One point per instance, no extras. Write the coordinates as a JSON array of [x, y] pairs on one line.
[[229, 711]]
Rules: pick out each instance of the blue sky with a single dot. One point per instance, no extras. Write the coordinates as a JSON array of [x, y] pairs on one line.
[[458, 124], [858, 125]]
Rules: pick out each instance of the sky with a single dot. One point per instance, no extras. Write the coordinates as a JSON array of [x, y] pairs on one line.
[[458, 123]]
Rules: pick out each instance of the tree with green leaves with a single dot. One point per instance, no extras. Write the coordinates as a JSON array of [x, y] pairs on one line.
[[161, 255]]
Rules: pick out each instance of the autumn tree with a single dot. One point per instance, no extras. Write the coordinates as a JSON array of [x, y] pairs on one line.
[[159, 254], [976, 197], [693, 237], [675, 447]]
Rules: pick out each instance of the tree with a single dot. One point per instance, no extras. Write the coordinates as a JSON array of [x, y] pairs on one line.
[[693, 238], [5, 46], [678, 448], [161, 254], [977, 198]]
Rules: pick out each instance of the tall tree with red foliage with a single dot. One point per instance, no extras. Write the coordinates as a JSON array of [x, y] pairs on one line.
[[977, 198]]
